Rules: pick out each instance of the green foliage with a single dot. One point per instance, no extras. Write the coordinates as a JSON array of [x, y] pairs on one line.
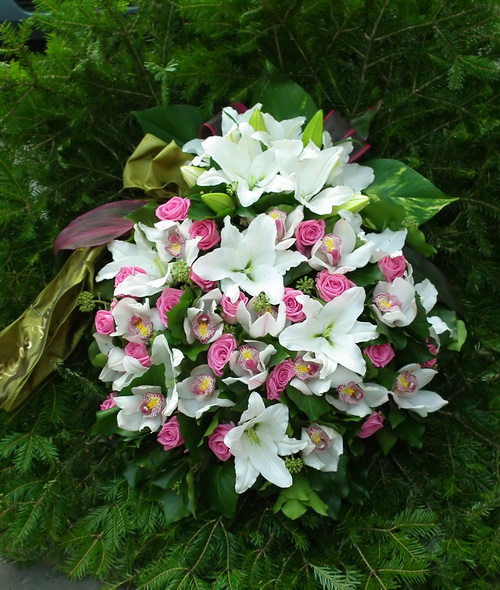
[[66, 129]]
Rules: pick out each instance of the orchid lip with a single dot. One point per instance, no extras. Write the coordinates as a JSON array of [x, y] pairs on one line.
[[141, 326], [350, 393], [151, 404], [202, 385], [405, 382], [386, 302], [203, 327], [319, 438]]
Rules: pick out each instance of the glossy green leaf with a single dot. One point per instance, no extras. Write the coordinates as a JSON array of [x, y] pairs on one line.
[[285, 100], [386, 439], [399, 185], [173, 122], [312, 405], [219, 490]]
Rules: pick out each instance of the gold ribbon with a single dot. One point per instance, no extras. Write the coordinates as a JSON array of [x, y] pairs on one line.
[[154, 165], [47, 332]]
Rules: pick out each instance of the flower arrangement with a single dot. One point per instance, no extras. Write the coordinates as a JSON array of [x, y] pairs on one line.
[[272, 309]]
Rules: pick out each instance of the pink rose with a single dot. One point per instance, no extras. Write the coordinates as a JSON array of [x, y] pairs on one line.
[[330, 285], [208, 231], [109, 402], [229, 308], [308, 233], [168, 298], [219, 352], [104, 322], [216, 441], [379, 354], [170, 435], [175, 209], [431, 362], [278, 379], [392, 268], [139, 351], [374, 422], [293, 309], [206, 286], [126, 271]]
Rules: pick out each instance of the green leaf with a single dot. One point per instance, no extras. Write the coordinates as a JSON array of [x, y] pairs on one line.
[[105, 422], [386, 439], [174, 122], [397, 184], [461, 336], [312, 405], [285, 100], [177, 314], [146, 214], [416, 239], [368, 275], [173, 505], [412, 431], [97, 358], [293, 509], [314, 130], [362, 123], [219, 489], [190, 430]]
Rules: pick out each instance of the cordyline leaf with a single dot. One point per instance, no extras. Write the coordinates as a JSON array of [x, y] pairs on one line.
[[97, 227]]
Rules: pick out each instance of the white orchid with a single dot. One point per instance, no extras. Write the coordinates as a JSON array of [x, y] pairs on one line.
[[331, 331], [248, 261], [249, 363], [323, 448], [258, 442], [201, 322], [394, 303], [337, 252], [354, 397], [407, 392], [386, 243], [198, 393], [170, 358], [141, 410], [135, 321]]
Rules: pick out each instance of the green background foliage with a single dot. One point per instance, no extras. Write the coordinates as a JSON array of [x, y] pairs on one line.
[[66, 129]]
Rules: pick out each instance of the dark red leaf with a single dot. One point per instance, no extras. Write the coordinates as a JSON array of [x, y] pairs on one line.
[[99, 226]]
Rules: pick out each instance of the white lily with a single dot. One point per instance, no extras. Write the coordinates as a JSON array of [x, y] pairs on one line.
[[243, 165], [331, 331], [309, 169], [258, 442], [407, 392], [248, 261]]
